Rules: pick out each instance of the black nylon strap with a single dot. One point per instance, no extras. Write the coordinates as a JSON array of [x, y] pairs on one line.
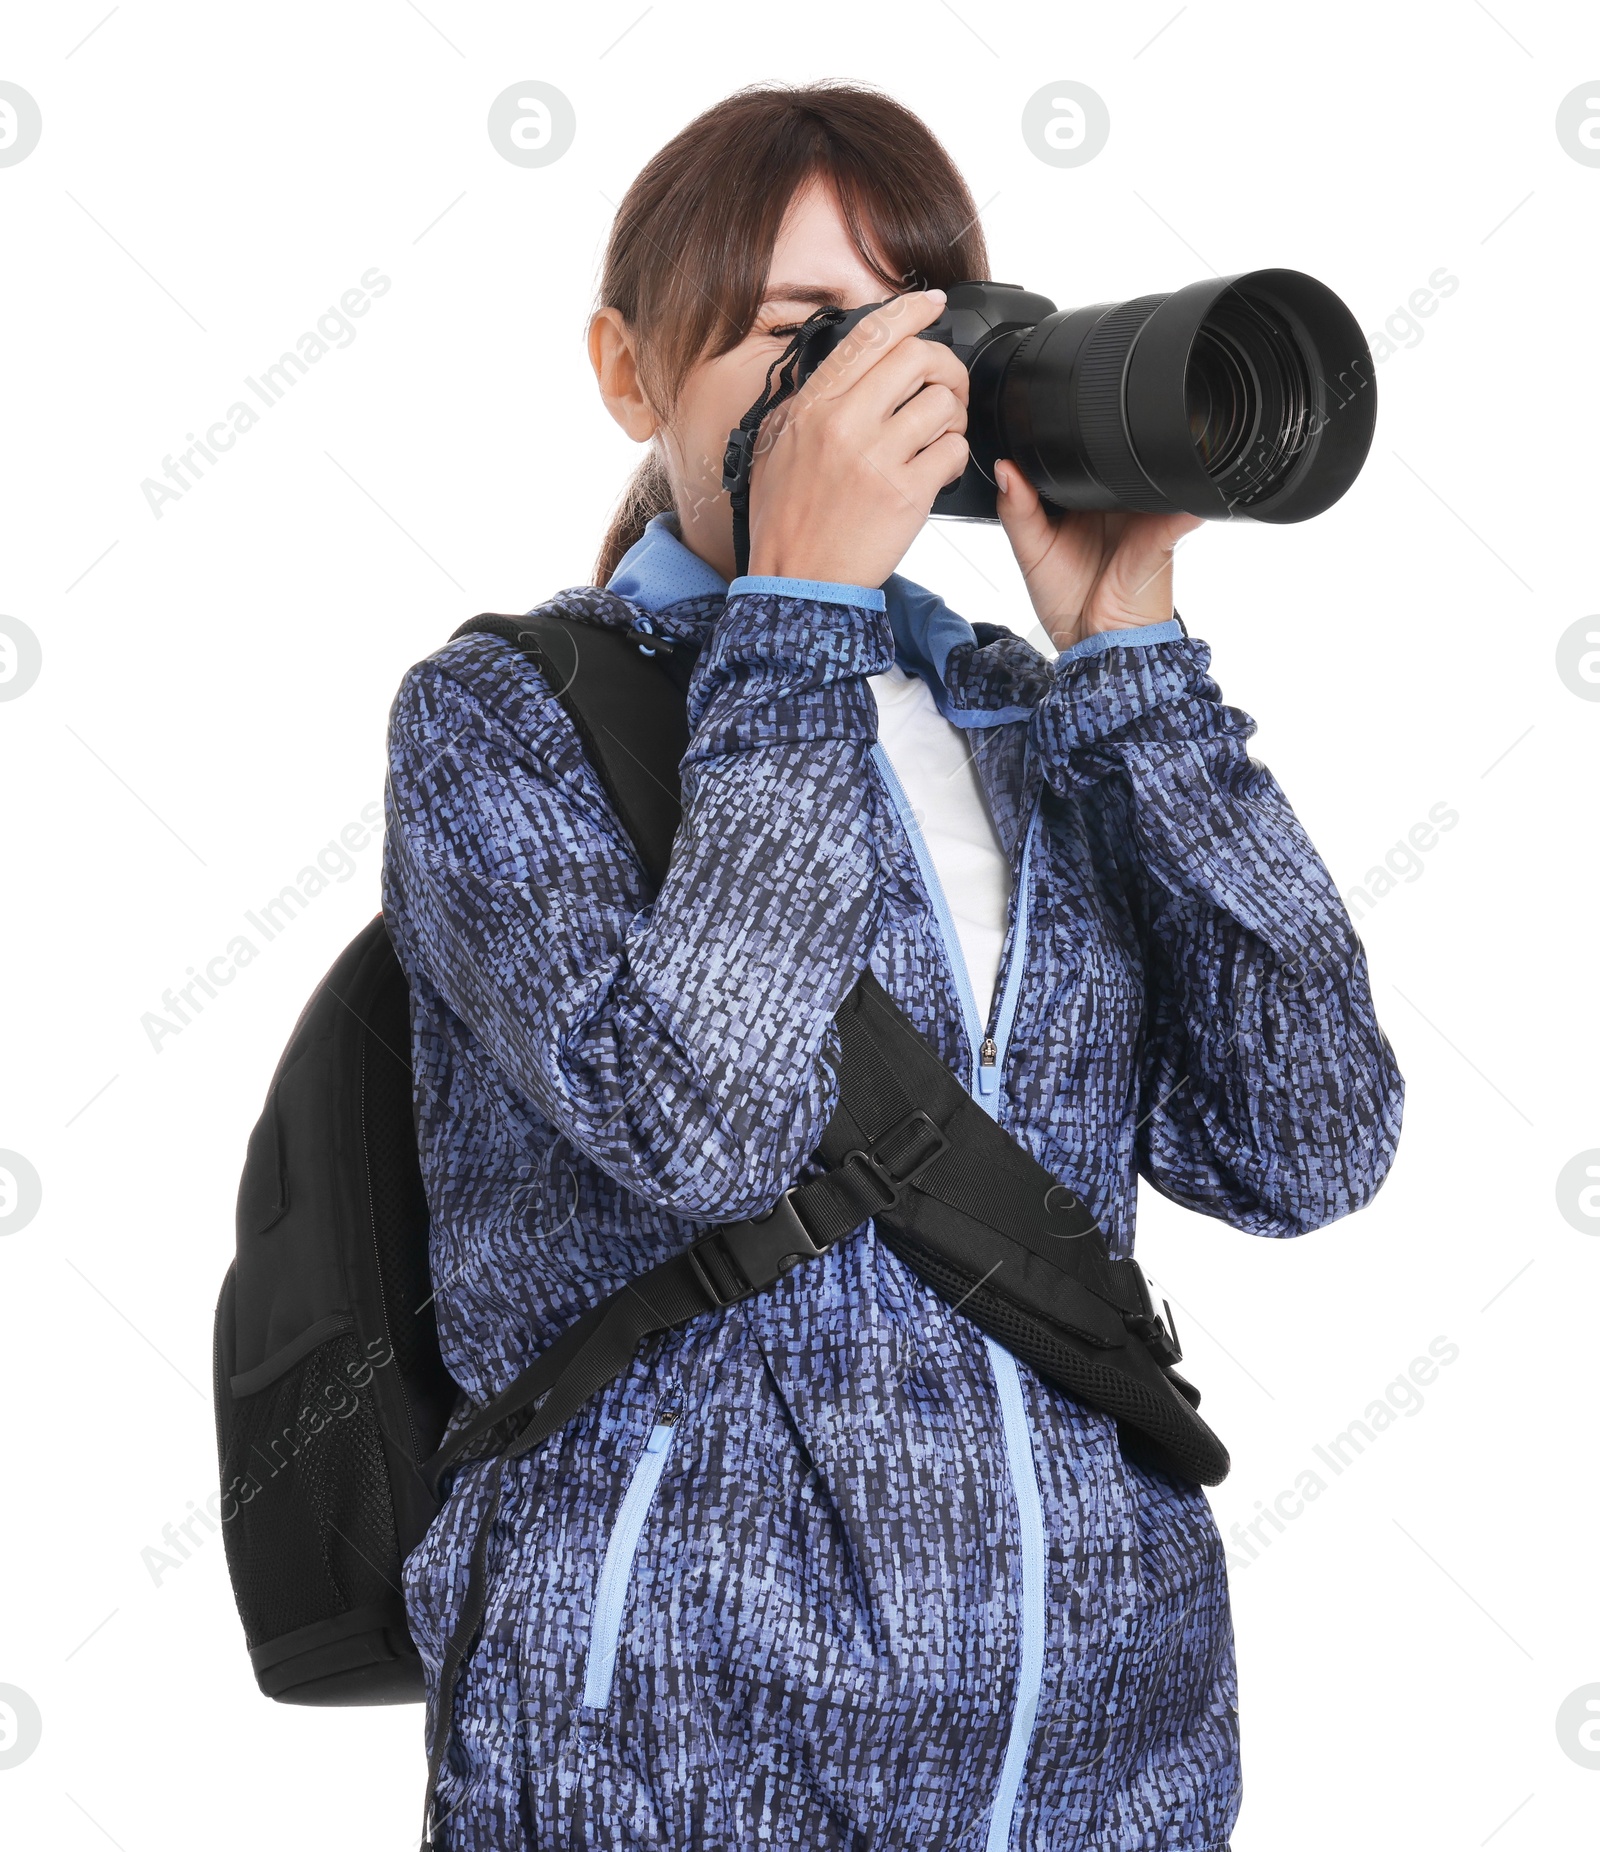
[[633, 745], [728, 1264]]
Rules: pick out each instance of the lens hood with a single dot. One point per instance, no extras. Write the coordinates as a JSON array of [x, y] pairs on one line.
[[1293, 468]]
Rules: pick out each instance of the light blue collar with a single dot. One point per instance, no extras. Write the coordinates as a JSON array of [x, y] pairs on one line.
[[659, 571]]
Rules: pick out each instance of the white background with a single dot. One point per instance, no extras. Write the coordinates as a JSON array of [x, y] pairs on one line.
[[212, 705]]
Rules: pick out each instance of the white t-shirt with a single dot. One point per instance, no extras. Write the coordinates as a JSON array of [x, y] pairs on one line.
[[933, 761]]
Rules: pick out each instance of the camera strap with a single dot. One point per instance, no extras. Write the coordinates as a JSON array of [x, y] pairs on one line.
[[739, 457]]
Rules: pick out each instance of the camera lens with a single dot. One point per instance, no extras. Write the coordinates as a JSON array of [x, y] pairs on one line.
[[1249, 398], [1220, 395], [1245, 396]]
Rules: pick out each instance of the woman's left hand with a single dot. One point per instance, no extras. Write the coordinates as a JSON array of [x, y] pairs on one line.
[[1089, 571]]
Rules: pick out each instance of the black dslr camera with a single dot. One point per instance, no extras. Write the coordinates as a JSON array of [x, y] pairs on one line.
[[1247, 396]]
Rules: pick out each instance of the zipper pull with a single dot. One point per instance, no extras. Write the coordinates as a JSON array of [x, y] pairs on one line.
[[988, 1066]]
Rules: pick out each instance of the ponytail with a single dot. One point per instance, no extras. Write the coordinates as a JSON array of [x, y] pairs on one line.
[[649, 492]]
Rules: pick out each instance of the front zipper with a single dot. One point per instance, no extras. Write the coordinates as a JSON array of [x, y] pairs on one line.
[[987, 1042], [990, 1046], [611, 1592]]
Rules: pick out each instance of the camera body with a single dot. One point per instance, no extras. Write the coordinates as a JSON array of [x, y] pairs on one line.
[[983, 323], [1241, 397]]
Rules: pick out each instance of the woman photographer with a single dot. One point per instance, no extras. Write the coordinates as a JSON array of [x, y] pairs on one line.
[[832, 1568]]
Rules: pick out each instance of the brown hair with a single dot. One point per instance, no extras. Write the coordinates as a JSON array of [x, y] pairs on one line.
[[688, 258]]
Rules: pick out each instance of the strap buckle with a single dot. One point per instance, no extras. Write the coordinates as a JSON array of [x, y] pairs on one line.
[[737, 458], [742, 1258], [1161, 1342], [927, 1142]]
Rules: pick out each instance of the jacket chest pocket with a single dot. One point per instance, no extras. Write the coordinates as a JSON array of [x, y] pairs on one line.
[[616, 1570]]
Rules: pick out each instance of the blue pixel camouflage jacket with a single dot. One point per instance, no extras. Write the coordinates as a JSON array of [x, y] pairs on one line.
[[831, 1569]]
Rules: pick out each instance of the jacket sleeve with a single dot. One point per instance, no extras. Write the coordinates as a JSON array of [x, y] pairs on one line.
[[685, 1046], [1268, 1094]]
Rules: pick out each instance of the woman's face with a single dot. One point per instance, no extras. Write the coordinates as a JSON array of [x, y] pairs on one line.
[[814, 265]]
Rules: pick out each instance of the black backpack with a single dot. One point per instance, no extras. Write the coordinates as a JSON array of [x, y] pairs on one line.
[[331, 1397], [330, 1391]]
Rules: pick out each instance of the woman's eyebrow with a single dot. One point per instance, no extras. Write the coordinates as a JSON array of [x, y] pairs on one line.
[[817, 293]]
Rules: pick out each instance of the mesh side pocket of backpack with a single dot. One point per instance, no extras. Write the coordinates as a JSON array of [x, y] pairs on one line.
[[1168, 1432], [310, 1527]]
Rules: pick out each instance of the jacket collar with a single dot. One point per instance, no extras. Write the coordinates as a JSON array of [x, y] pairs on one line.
[[659, 572]]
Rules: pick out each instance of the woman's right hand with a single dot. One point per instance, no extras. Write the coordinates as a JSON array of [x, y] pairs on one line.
[[847, 469]]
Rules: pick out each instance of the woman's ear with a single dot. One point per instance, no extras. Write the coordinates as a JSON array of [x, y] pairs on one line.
[[616, 369]]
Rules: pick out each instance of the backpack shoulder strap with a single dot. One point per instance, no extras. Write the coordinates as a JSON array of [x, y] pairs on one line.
[[628, 708]]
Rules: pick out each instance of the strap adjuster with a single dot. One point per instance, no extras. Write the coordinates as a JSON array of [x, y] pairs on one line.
[[737, 459], [927, 1142], [742, 1258]]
